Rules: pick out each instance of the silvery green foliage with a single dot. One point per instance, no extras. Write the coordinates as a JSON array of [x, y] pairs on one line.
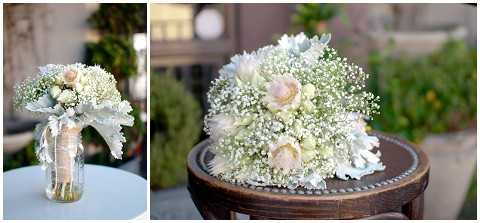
[[75, 96], [107, 118], [291, 115]]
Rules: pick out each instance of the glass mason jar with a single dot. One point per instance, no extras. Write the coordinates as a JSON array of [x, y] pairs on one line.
[[64, 175]]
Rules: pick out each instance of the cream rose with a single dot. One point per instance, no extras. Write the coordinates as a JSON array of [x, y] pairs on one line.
[[247, 70], [55, 91], [308, 91], [72, 77], [283, 93], [285, 154], [308, 106], [309, 145], [66, 97], [309, 142]]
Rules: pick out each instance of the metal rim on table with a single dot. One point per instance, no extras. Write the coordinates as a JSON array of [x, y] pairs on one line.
[[303, 191]]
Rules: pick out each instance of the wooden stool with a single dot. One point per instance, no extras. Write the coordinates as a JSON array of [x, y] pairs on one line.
[[395, 193]]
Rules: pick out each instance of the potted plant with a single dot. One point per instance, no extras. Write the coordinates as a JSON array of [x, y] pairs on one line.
[[431, 100], [175, 128]]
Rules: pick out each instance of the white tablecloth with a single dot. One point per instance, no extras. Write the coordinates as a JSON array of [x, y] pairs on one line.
[[109, 193]]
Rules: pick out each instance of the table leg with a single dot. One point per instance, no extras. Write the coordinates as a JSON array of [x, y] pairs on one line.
[[414, 209], [211, 211], [254, 217]]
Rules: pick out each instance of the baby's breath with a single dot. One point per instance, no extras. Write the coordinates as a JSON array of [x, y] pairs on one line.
[[94, 85], [339, 92]]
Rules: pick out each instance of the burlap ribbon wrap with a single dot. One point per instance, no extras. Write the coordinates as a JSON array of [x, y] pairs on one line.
[[63, 127], [67, 145]]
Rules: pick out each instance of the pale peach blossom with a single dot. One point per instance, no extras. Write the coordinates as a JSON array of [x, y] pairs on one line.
[[285, 154], [283, 93]]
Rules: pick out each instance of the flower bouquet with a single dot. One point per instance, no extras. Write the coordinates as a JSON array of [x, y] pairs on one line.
[[291, 115], [73, 97]]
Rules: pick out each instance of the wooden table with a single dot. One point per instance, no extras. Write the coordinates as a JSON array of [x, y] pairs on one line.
[[396, 193]]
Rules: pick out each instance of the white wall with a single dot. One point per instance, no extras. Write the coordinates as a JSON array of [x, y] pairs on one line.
[[38, 34]]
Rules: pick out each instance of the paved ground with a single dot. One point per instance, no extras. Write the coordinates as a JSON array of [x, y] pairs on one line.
[[173, 203], [132, 166]]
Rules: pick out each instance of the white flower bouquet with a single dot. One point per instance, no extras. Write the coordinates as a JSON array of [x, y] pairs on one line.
[[73, 97], [291, 115]]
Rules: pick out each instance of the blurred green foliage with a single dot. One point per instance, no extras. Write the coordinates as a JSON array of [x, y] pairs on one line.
[[138, 129], [117, 23], [24, 157], [175, 128], [120, 19], [115, 54], [309, 14], [429, 94]]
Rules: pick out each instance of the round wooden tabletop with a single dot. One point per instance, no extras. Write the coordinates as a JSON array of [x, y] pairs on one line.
[[395, 192]]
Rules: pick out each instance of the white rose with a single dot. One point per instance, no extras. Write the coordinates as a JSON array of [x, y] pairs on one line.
[[69, 76], [308, 91], [55, 91], [286, 116], [285, 154], [308, 155], [246, 66], [298, 129], [325, 151], [83, 79], [221, 125], [309, 145], [283, 93], [309, 142], [66, 97], [59, 80], [308, 106], [79, 87], [72, 77]]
